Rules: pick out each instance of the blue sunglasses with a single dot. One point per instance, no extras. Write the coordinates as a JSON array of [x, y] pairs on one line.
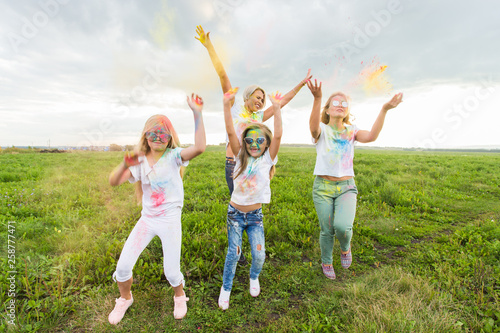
[[259, 141]]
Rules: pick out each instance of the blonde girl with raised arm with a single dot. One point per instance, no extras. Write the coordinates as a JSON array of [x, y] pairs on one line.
[[254, 100], [257, 154], [334, 190], [158, 165], [243, 114]]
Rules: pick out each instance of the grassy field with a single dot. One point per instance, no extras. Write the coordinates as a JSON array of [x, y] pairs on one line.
[[426, 248]]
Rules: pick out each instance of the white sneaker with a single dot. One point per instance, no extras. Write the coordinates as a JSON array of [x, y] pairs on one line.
[[121, 307], [254, 287], [224, 299]]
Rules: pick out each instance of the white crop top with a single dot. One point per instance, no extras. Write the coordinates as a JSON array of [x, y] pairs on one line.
[[335, 151], [253, 185], [161, 184]]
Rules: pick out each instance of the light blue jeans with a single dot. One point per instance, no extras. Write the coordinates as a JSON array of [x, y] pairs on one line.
[[237, 222], [335, 204]]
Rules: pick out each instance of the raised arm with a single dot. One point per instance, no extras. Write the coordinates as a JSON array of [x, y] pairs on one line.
[[204, 39], [370, 136], [234, 143], [316, 109], [278, 127], [269, 112], [121, 173], [196, 104]]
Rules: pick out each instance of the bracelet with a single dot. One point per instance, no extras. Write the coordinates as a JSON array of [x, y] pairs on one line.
[[293, 89]]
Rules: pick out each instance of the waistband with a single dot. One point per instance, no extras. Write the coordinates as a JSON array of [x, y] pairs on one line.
[[331, 182]]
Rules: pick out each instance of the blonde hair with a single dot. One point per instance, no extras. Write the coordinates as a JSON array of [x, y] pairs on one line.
[[325, 118], [155, 121], [250, 90], [143, 146], [244, 155]]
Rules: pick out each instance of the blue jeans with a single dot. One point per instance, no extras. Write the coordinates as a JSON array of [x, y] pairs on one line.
[[237, 222], [230, 163]]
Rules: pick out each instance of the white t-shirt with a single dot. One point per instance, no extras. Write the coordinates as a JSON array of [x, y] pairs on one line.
[[241, 118], [252, 186], [161, 184], [335, 151]]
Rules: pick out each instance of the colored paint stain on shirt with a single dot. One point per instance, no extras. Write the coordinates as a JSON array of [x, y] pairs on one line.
[[335, 151], [243, 118], [340, 144], [249, 178], [157, 198]]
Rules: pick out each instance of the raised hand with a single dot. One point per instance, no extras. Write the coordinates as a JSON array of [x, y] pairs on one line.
[[395, 100], [229, 95], [195, 103], [275, 99], [315, 88], [308, 77], [131, 158], [203, 37]]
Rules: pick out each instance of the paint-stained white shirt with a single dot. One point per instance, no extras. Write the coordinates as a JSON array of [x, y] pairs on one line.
[[252, 186], [242, 118], [335, 151], [161, 184]]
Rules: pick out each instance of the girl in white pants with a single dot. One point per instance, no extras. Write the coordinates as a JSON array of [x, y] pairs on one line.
[[158, 165]]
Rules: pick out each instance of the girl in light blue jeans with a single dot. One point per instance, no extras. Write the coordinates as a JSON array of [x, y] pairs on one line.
[[257, 155], [334, 191]]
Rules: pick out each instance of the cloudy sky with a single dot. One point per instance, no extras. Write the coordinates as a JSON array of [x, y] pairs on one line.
[[91, 72]]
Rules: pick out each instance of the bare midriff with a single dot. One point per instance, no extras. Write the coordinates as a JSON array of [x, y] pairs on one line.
[[229, 152], [335, 179], [246, 209]]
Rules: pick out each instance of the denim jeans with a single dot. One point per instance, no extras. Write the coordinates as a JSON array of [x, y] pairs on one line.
[[335, 204], [237, 222], [230, 163]]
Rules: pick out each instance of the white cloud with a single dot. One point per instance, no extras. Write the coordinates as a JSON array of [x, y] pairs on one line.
[[66, 79]]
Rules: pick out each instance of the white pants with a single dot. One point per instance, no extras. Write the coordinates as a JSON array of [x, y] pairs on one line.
[[168, 228]]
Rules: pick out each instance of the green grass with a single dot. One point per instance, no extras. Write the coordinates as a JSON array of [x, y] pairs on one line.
[[426, 247]]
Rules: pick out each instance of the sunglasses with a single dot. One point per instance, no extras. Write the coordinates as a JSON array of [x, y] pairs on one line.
[[162, 136], [259, 141], [337, 103]]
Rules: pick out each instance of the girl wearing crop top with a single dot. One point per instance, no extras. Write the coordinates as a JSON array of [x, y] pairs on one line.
[[249, 112], [257, 153], [334, 190]]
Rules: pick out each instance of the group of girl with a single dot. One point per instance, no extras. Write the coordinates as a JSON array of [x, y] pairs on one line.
[[251, 154]]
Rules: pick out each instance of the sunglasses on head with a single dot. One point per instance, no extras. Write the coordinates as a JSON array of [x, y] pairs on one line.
[[157, 135], [260, 140], [337, 103]]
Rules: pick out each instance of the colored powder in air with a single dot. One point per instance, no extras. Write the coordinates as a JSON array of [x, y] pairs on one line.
[[373, 80], [163, 26]]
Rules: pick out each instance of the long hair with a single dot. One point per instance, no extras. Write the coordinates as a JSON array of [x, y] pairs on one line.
[[325, 118], [143, 146], [244, 155]]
